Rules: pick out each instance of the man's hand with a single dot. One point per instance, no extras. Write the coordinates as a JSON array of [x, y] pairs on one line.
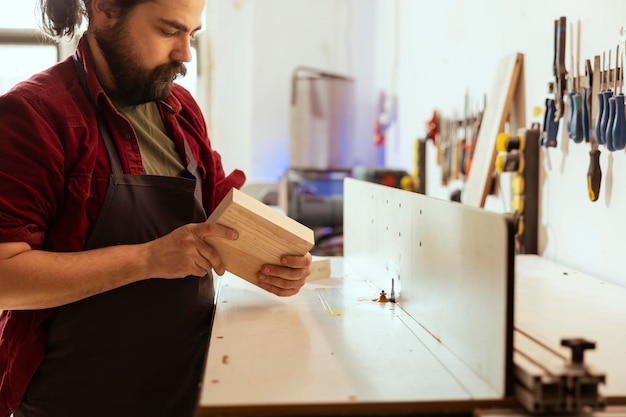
[[184, 251], [286, 279]]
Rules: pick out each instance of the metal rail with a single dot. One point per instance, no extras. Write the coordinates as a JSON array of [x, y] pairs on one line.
[[546, 382]]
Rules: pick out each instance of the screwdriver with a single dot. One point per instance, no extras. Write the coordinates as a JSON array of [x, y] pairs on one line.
[[606, 94], [586, 120], [611, 103], [571, 118], [619, 133], [586, 84], [550, 126], [594, 175], [619, 127], [594, 172], [598, 132], [577, 118]]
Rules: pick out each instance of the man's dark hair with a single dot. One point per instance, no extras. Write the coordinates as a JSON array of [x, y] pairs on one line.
[[61, 18]]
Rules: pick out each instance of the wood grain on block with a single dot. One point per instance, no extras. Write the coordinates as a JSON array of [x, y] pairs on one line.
[[265, 235], [320, 268]]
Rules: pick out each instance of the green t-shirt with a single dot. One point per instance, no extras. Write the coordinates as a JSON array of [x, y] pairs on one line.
[[158, 152]]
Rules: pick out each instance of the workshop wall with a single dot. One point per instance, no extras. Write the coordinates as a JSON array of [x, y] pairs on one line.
[[451, 46], [428, 54], [256, 45]]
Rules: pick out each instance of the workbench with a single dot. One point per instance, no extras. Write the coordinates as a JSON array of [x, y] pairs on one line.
[[335, 349], [299, 355]]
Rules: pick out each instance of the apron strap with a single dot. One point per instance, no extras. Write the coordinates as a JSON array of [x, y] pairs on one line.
[[114, 159]]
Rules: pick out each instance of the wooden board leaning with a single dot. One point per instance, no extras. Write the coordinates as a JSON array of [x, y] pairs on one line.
[[506, 102]]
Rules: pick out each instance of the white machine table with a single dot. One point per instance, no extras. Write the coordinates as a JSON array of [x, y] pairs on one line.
[[446, 346]]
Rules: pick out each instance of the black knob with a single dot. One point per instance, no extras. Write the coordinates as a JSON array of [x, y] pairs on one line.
[[578, 346]]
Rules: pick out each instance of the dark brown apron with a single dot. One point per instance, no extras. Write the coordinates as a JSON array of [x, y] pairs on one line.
[[138, 350]]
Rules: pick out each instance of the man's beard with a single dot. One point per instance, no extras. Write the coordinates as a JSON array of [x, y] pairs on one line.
[[135, 84]]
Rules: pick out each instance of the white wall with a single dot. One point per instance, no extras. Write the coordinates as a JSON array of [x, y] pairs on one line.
[[429, 53], [257, 44]]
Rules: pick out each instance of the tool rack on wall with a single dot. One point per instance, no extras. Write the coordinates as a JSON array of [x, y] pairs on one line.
[[485, 160], [455, 141], [586, 98]]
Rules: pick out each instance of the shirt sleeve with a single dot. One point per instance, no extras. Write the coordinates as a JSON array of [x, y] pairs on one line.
[[236, 179], [31, 170]]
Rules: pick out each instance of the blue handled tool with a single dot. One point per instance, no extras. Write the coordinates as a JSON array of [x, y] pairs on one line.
[[610, 141], [577, 99], [584, 84], [571, 86], [560, 72], [600, 113], [550, 126], [554, 106], [586, 102], [619, 133], [571, 118], [577, 119], [604, 122]]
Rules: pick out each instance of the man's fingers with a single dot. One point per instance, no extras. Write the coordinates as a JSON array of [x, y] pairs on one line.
[[280, 286], [216, 262], [296, 261], [206, 229], [285, 273], [206, 250]]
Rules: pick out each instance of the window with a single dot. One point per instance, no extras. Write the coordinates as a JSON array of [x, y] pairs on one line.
[[23, 14], [27, 60], [23, 51]]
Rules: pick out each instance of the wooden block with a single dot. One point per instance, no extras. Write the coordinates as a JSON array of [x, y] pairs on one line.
[[320, 268], [264, 235]]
